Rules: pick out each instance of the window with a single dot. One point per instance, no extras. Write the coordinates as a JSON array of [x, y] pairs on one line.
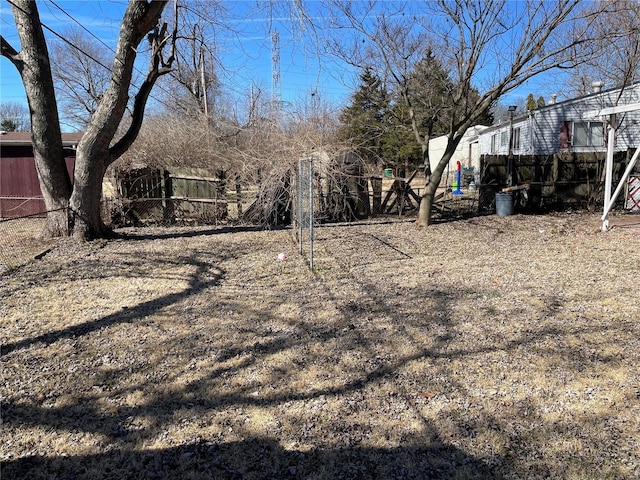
[[587, 134], [565, 134], [494, 143], [516, 138], [504, 138]]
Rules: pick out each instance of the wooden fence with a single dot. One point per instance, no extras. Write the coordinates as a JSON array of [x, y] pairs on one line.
[[554, 181], [161, 195]]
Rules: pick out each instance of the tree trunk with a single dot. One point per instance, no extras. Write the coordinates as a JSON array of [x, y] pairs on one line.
[[85, 202], [426, 203], [95, 151], [33, 65]]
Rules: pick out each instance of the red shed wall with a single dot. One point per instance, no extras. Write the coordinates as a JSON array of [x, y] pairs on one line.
[[20, 192]]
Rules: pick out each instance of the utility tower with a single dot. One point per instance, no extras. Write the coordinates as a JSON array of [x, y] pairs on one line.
[[276, 88]]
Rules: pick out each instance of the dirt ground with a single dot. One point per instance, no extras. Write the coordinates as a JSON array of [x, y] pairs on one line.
[[504, 348]]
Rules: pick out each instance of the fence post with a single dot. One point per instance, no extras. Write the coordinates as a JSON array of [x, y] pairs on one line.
[[304, 213], [238, 195], [299, 204], [310, 214], [376, 188]]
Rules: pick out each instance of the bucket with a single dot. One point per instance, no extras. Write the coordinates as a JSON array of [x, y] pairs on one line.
[[504, 204]]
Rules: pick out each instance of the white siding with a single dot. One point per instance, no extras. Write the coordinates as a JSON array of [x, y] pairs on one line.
[[494, 136], [467, 153], [540, 129]]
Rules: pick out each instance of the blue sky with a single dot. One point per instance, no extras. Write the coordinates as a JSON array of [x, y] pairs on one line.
[[99, 17], [244, 48], [246, 52]]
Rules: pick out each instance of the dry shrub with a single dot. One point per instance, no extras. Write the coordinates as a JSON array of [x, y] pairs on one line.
[[262, 155]]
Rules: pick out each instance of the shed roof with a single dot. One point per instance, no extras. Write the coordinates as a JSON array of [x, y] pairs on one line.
[[24, 138]]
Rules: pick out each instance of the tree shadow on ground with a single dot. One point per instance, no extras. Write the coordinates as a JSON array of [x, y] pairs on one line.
[[257, 458], [362, 321], [143, 234], [205, 276]]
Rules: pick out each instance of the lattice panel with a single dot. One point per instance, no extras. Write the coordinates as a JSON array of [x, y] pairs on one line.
[[633, 194]]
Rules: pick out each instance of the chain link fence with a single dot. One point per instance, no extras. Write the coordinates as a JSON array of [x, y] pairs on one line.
[[22, 238], [22, 241], [303, 217], [304, 198]]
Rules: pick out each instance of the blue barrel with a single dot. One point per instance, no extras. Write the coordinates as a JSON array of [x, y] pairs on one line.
[[504, 204]]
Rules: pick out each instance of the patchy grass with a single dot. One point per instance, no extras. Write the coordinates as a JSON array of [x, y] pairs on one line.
[[485, 348], [21, 241]]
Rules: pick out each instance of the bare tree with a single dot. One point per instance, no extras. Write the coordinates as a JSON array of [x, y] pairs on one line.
[[14, 115], [173, 139], [615, 52], [99, 146], [490, 46], [194, 71], [79, 65], [33, 65], [193, 81]]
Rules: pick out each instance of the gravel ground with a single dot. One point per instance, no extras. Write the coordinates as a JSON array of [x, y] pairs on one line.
[[482, 348]]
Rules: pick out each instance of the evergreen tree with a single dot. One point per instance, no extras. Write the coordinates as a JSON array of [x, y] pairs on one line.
[[366, 121], [379, 123], [541, 102], [531, 103], [8, 125], [430, 95], [399, 146]]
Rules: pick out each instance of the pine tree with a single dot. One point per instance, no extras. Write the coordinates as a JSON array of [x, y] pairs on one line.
[[8, 125], [365, 121], [400, 148], [430, 94], [379, 123]]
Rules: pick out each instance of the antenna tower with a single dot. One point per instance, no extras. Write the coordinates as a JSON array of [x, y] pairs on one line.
[[276, 88]]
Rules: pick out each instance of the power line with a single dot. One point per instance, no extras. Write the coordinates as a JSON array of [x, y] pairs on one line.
[[76, 47], [109, 48], [82, 26], [46, 27], [234, 85]]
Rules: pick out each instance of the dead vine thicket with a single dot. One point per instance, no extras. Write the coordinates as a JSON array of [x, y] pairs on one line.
[[261, 156]]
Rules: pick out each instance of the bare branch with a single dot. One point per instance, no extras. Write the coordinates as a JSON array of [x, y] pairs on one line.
[[7, 50], [158, 66]]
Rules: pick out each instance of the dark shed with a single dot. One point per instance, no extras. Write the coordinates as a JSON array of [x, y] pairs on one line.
[[20, 192]]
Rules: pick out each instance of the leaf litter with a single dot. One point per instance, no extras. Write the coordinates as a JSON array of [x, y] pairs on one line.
[[482, 348]]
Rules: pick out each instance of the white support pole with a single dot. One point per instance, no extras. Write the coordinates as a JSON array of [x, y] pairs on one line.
[[611, 139]]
